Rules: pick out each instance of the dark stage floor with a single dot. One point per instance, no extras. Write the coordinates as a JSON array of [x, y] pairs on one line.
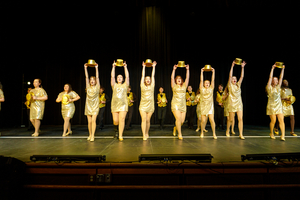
[[18, 143]]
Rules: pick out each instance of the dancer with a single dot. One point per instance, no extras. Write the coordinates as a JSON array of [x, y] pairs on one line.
[[235, 104], [274, 106], [207, 102], [147, 100], [131, 99], [119, 102], [190, 106], [92, 101], [1, 95], [27, 103], [198, 111], [67, 98], [103, 100], [226, 113], [288, 110], [219, 107], [162, 107], [39, 96], [178, 103]]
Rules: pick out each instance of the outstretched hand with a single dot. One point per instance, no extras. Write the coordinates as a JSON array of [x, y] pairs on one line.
[[85, 65], [154, 64], [187, 66], [175, 67], [125, 65], [243, 64], [114, 64]]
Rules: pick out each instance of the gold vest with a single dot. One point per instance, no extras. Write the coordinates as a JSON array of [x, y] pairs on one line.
[[130, 97], [163, 99], [219, 98], [102, 98], [191, 102]]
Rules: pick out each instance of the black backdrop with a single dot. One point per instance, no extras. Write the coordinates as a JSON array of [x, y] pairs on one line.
[[52, 42]]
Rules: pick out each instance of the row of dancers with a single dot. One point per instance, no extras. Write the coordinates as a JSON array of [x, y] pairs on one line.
[[229, 99]]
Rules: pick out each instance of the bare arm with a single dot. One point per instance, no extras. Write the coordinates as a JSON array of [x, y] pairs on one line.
[[75, 99], [213, 78], [271, 76], [187, 77], [281, 76], [242, 73], [58, 99], [153, 73], [143, 73], [112, 79], [126, 74], [87, 83], [97, 75], [231, 72], [43, 98], [201, 79], [173, 76]]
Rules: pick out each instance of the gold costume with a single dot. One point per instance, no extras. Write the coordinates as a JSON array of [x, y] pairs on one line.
[[147, 98], [234, 99], [178, 100], [198, 111], [102, 98], [225, 104], [219, 98], [37, 106], [92, 100], [1, 96], [192, 101], [274, 106], [207, 101], [163, 98], [68, 110], [129, 98], [119, 100], [287, 108]]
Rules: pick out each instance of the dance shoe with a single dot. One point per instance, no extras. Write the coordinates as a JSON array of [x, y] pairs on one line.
[[69, 133], [89, 138], [272, 136], [293, 134], [92, 139], [120, 139], [35, 135], [197, 129], [205, 130], [232, 132], [215, 137], [276, 131], [242, 137], [174, 131]]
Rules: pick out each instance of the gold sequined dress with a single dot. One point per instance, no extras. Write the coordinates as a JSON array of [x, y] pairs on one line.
[[37, 107], [198, 110], [68, 110], [92, 100], [147, 98], [1, 96], [179, 98], [225, 104], [287, 108], [207, 101], [119, 100], [274, 105], [234, 101]]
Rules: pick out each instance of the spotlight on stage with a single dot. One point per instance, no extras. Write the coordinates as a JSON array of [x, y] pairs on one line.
[[170, 157], [69, 158], [272, 157]]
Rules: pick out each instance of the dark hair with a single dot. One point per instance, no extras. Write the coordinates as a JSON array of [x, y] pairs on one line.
[[198, 91], [129, 86], [40, 81], [103, 88], [220, 85], [70, 87]]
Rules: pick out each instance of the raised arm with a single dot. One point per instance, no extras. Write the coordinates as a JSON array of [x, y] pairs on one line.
[[153, 73], [242, 73], [271, 76], [112, 76], [143, 73], [281, 76], [87, 82], [97, 75], [1, 98], [213, 78], [231, 72], [201, 79], [126, 74], [187, 77], [173, 76], [225, 93]]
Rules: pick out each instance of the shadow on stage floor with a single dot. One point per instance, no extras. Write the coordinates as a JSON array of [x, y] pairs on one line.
[[18, 143]]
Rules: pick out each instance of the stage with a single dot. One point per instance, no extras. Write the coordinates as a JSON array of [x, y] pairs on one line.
[[18, 143]]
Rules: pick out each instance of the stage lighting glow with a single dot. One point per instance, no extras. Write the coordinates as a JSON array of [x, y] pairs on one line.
[[28, 83]]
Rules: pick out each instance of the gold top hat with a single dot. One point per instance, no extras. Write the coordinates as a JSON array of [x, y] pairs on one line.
[[120, 63], [65, 99], [181, 64], [207, 68], [91, 63], [148, 63], [238, 61], [279, 64]]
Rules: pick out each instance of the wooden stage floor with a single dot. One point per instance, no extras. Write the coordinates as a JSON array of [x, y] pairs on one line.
[[18, 143]]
